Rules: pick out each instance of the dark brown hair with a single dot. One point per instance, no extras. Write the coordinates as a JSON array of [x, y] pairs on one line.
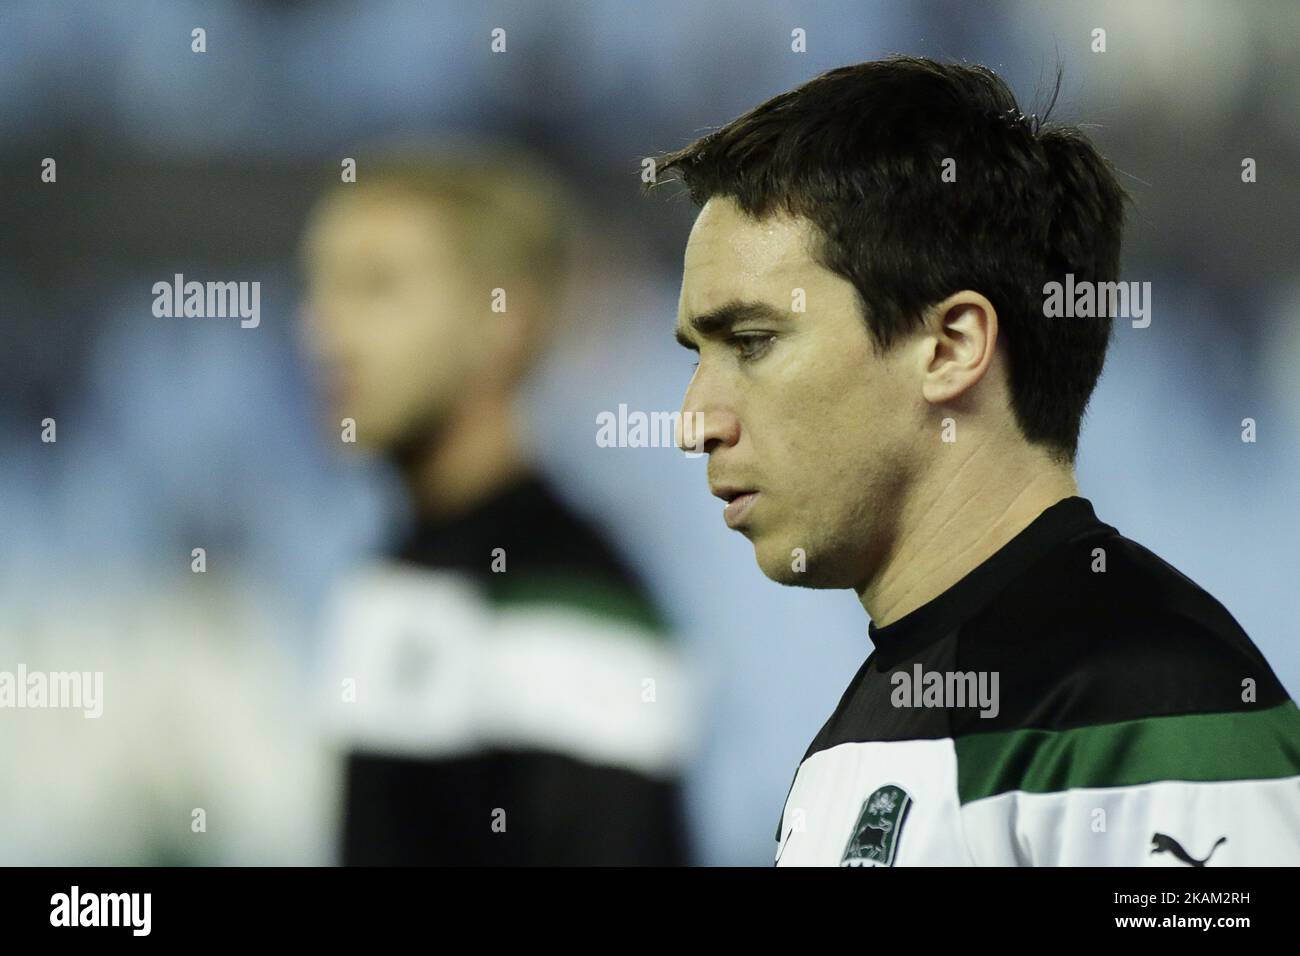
[[859, 152]]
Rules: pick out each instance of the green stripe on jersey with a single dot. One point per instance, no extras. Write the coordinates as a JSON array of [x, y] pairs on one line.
[[1233, 745], [590, 594]]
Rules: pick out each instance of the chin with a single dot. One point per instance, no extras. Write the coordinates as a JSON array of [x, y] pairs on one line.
[[778, 563]]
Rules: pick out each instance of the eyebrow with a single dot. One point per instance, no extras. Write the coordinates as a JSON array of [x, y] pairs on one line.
[[715, 324]]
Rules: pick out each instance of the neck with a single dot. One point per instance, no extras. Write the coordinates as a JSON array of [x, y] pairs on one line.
[[473, 455], [953, 523]]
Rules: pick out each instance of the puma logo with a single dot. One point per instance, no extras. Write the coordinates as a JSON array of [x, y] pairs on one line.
[[1167, 844]]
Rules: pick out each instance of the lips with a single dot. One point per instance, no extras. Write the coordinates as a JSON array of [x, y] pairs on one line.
[[740, 501], [729, 493], [736, 510]]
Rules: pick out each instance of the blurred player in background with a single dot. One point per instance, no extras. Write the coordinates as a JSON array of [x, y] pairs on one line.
[[501, 688]]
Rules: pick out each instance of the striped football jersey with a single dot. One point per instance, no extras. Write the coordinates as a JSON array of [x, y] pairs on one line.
[[1074, 700], [501, 690]]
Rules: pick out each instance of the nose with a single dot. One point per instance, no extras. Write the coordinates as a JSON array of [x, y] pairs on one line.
[[707, 420]]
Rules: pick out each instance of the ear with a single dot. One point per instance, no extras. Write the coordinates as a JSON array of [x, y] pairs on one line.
[[962, 334]]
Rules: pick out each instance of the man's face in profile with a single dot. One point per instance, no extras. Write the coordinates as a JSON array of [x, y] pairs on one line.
[[389, 306], [797, 407]]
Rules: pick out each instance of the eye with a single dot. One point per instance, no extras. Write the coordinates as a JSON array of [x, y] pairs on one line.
[[751, 345]]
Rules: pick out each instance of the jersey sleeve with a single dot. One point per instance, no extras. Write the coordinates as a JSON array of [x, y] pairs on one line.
[[1218, 789]]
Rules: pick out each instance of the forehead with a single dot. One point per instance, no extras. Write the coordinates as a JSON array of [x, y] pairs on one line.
[[731, 255], [378, 223]]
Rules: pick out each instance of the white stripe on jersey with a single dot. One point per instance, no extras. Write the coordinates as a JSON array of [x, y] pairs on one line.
[[439, 672], [1260, 819], [1115, 826], [832, 785]]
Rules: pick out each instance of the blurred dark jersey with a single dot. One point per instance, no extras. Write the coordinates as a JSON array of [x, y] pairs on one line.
[[509, 695]]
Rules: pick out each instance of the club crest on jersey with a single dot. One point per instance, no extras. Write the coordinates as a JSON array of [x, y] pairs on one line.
[[874, 841]]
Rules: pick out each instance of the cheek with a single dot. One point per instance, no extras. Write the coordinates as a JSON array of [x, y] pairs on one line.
[[415, 328], [451, 319], [835, 436], [825, 406]]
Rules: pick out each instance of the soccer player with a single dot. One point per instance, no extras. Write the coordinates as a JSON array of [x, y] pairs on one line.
[[502, 690], [886, 407]]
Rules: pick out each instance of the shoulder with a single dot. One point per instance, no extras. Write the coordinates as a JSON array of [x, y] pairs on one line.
[[559, 556], [529, 550], [1122, 673], [1104, 631]]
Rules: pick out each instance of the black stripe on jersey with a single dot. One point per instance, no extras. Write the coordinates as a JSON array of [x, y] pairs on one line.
[[552, 555], [508, 807], [1072, 646]]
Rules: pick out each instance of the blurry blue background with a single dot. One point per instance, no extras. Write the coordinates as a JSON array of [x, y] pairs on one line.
[[174, 433]]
